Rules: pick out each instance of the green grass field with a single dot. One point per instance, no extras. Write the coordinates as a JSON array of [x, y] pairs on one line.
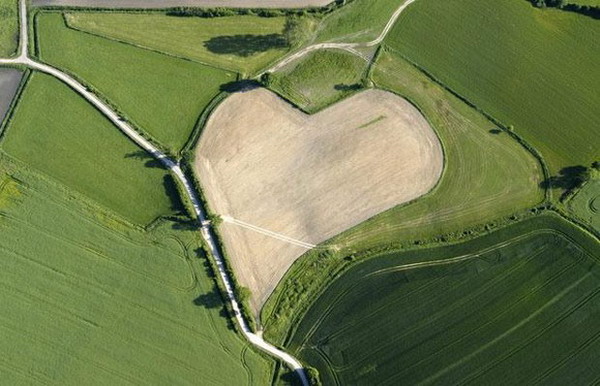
[[58, 133], [244, 44], [89, 299], [162, 95], [534, 69], [9, 27], [586, 203], [358, 21], [519, 306], [320, 79]]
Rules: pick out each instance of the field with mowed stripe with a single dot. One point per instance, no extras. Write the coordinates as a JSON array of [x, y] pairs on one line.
[[535, 69], [474, 312]]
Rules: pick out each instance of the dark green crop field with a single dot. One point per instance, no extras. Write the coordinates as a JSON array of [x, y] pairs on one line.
[[57, 132], [534, 69], [89, 299], [518, 306], [162, 95], [9, 27]]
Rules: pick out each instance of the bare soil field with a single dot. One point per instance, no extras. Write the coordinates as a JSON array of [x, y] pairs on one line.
[[9, 84], [268, 167], [182, 3]]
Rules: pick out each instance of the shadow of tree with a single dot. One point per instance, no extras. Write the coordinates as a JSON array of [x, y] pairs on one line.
[[568, 179], [245, 45], [347, 87], [495, 131], [173, 194], [240, 86], [142, 155]]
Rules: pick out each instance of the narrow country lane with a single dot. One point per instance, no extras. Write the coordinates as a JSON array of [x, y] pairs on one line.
[[23, 59]]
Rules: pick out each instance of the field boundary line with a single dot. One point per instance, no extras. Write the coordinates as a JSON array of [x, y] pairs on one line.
[[266, 232]]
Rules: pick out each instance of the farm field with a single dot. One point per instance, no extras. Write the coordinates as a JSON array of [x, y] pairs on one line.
[[9, 26], [148, 4], [162, 95], [97, 301], [527, 291], [243, 44], [307, 177], [57, 132], [500, 59], [357, 21], [9, 85], [320, 79], [586, 204]]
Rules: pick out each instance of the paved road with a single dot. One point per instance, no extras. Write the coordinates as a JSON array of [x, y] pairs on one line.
[[124, 4], [23, 59], [350, 47]]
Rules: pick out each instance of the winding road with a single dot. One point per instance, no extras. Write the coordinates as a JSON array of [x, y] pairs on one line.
[[23, 59], [350, 47]]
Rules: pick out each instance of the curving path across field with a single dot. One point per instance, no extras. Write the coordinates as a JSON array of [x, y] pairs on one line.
[[350, 47], [24, 60]]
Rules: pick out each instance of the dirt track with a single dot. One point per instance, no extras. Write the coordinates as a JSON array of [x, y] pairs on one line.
[[308, 178], [9, 84], [183, 3]]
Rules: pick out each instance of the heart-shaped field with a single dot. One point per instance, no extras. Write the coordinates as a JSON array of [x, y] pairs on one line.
[[285, 181]]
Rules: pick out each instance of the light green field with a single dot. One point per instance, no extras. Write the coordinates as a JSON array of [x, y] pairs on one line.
[[358, 21], [239, 43], [586, 203], [519, 306], [534, 69], [58, 133], [486, 175], [9, 27], [320, 79], [88, 299], [593, 3], [162, 95]]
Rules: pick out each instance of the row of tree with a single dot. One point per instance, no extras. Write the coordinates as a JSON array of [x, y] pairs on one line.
[[587, 10]]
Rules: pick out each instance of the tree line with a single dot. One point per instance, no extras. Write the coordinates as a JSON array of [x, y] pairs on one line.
[[587, 10]]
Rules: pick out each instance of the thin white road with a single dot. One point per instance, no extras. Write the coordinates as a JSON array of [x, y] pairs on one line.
[[266, 232], [256, 339], [350, 47]]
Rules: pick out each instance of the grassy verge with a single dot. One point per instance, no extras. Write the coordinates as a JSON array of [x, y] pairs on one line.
[[161, 95], [530, 68], [60, 134], [96, 298], [319, 79], [9, 27], [520, 306], [239, 43]]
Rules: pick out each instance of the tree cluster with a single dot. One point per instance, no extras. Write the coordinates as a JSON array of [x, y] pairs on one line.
[[587, 10]]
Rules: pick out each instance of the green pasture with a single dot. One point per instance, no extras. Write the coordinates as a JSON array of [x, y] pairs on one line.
[[586, 203], [319, 79], [89, 299], [519, 306], [357, 21], [9, 27], [244, 44], [534, 69], [57, 132], [162, 95]]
